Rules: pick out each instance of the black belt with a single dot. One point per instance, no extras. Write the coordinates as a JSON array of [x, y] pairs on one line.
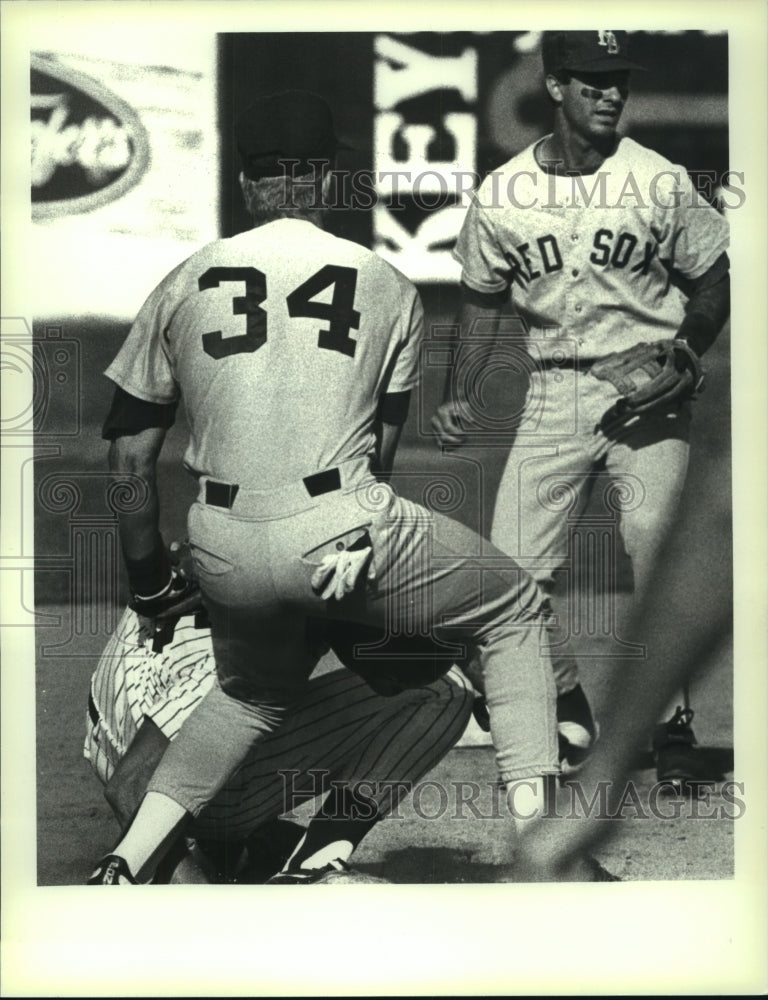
[[223, 494], [220, 494]]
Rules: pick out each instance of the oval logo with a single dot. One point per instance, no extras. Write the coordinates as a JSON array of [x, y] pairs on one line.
[[88, 146]]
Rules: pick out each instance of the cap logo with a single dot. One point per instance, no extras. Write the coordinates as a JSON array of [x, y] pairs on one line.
[[608, 40]]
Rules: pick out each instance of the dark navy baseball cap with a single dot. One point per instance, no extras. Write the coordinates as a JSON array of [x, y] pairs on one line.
[[588, 51], [293, 125]]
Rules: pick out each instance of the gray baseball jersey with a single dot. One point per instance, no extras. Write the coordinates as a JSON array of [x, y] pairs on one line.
[[282, 386], [253, 353], [595, 264], [590, 257]]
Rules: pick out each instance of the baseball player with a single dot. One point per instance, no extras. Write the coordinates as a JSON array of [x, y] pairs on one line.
[[617, 273], [341, 739], [295, 353]]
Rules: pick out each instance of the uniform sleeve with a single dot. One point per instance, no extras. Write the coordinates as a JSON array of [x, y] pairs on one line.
[[693, 233], [130, 415], [484, 266], [405, 369], [143, 366]]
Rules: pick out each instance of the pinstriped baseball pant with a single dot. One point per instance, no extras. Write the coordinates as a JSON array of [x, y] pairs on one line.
[[340, 730], [433, 576]]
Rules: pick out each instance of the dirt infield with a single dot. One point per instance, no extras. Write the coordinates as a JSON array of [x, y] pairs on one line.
[[434, 838]]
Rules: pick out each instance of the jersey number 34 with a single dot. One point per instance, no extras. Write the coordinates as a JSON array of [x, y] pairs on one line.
[[339, 313]]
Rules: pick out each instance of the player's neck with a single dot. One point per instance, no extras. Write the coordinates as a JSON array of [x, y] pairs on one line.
[[566, 152], [314, 218]]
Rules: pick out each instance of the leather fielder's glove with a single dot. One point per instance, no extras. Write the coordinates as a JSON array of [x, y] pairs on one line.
[[651, 376], [159, 614]]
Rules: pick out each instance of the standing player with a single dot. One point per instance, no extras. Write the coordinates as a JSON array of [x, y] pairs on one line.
[[295, 353], [360, 749], [618, 273]]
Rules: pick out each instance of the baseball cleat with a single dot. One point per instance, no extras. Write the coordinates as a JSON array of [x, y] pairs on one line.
[[112, 870], [577, 730], [676, 754], [336, 871], [575, 744], [269, 848], [307, 876]]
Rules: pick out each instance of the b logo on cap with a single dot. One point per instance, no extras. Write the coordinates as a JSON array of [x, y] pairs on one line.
[[607, 38]]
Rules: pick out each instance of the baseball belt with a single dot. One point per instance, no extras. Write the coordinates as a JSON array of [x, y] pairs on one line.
[[223, 494]]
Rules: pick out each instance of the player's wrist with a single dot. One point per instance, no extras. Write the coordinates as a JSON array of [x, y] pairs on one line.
[[696, 332], [150, 576]]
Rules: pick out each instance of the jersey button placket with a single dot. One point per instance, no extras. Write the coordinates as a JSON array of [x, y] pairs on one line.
[[578, 307], [577, 318]]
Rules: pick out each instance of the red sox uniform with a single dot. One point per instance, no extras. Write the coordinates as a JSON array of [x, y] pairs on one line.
[[281, 343], [594, 264], [340, 729]]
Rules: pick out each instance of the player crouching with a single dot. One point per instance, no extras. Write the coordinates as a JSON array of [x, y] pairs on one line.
[[340, 734]]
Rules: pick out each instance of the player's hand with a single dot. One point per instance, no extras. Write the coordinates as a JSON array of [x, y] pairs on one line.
[[181, 597], [158, 615], [447, 425], [180, 555], [338, 573]]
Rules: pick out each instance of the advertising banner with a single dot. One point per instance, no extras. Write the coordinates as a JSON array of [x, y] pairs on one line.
[[124, 176]]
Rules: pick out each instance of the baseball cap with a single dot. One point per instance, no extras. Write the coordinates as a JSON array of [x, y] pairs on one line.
[[292, 125], [590, 51]]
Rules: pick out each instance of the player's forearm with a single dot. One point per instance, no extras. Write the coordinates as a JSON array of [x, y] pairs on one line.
[[139, 532], [133, 461], [705, 313], [387, 438], [144, 552], [138, 528]]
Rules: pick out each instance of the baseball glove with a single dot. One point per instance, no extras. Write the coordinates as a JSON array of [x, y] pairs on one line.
[[651, 376]]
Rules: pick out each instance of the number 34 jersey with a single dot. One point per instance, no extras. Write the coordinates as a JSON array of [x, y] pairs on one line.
[[281, 342]]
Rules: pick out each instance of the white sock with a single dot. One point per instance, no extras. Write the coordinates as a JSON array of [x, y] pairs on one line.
[[155, 821]]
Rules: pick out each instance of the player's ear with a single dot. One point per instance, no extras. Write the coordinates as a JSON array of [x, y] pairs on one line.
[[554, 88]]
